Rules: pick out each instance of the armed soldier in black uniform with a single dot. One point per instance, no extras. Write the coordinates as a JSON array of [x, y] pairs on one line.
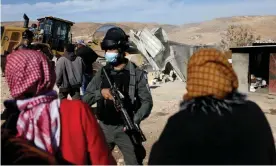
[[132, 83]]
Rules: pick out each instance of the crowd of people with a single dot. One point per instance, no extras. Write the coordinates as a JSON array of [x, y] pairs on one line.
[[215, 125]]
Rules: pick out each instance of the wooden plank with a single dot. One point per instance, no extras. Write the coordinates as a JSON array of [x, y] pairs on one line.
[[272, 74]]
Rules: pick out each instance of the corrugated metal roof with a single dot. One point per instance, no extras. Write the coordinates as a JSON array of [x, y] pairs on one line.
[[247, 49], [265, 41], [267, 46]]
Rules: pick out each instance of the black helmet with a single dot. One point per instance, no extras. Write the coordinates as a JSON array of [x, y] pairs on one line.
[[27, 34], [115, 38]]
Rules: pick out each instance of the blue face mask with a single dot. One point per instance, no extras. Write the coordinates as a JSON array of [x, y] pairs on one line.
[[111, 57]]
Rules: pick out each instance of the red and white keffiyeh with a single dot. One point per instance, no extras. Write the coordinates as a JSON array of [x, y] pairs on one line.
[[39, 121], [29, 73]]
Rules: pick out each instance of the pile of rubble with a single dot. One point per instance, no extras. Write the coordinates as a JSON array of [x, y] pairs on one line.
[[159, 77], [256, 83], [164, 60]]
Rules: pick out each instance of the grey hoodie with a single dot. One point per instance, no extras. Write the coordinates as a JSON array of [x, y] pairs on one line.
[[69, 71]]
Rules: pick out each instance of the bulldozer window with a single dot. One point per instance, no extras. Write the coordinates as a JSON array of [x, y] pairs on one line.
[[14, 40], [61, 30], [60, 35], [47, 27], [15, 36], [41, 25], [69, 36]]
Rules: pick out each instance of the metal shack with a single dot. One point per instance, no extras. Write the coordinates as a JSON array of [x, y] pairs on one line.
[[256, 67]]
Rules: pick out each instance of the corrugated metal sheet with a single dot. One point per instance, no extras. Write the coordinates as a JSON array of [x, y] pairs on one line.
[[141, 47], [151, 43], [272, 74], [154, 30], [160, 34], [160, 52]]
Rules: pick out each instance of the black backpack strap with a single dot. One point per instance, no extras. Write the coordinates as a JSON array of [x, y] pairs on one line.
[[132, 82]]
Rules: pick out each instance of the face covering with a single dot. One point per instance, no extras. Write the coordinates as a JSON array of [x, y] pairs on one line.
[[111, 57]]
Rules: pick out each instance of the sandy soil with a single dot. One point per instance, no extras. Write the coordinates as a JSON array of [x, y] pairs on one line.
[[166, 98]]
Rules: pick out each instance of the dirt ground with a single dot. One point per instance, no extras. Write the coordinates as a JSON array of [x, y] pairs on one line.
[[167, 97]]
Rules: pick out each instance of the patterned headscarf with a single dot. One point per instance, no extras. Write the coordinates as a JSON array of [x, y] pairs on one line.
[[29, 72], [31, 79], [210, 74]]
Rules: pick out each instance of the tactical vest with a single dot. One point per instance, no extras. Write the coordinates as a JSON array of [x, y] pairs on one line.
[[134, 75]]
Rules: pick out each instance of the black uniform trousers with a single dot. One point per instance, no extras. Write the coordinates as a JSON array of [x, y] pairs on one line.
[[115, 135]]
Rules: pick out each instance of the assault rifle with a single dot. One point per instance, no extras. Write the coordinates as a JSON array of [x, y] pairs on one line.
[[133, 129]]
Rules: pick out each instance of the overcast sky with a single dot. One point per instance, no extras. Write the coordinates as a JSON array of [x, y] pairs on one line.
[[159, 11]]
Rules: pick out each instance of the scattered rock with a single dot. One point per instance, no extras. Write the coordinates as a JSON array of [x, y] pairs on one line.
[[161, 114], [195, 37], [272, 111]]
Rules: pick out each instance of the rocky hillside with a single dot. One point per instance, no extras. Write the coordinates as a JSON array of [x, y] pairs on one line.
[[210, 31], [207, 32]]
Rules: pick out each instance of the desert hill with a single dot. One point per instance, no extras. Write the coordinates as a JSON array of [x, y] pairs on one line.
[[207, 32], [210, 31]]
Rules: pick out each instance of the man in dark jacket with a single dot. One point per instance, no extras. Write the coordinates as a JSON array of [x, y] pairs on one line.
[[69, 71], [132, 83], [89, 57]]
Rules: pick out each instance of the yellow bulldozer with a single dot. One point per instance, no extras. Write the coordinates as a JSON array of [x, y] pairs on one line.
[[50, 34]]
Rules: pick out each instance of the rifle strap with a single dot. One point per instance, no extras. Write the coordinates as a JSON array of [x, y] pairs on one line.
[[132, 82]]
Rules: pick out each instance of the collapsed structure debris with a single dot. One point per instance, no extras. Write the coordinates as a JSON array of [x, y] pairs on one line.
[[167, 59], [164, 60], [256, 82]]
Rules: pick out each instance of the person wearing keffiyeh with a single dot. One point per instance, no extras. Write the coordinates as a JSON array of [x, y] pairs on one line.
[[52, 125], [216, 124]]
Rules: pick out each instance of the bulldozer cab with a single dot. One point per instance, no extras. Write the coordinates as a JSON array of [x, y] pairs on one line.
[[10, 37], [51, 32], [55, 31]]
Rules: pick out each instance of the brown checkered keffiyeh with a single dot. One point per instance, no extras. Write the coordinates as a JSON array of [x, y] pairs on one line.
[[210, 74]]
